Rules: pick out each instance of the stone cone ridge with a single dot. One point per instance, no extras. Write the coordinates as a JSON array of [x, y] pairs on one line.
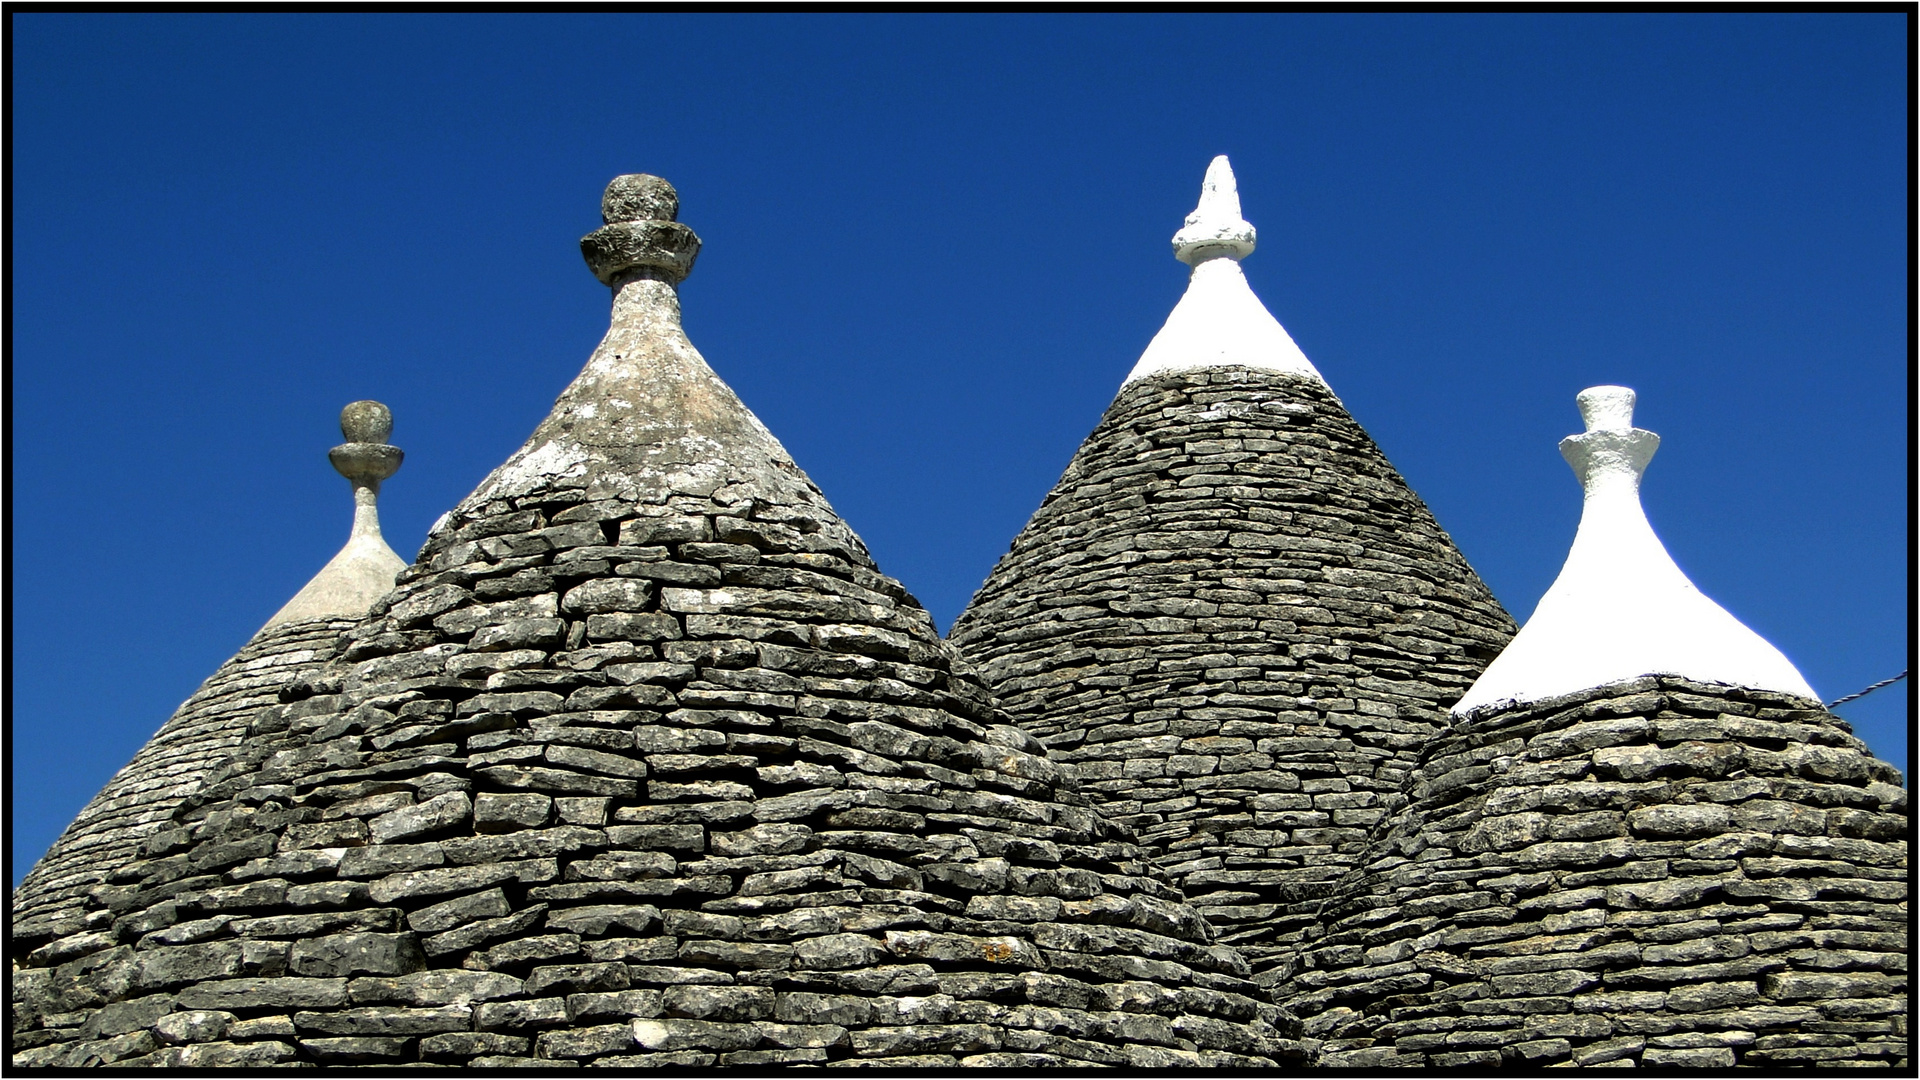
[[1661, 871], [642, 762], [1236, 622]]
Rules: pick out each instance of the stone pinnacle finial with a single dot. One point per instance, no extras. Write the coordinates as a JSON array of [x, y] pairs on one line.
[[641, 237], [1215, 228], [364, 569], [366, 421], [1611, 448], [1621, 608], [639, 197], [1606, 408], [366, 457]]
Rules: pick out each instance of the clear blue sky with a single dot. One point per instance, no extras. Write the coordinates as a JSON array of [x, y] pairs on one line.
[[934, 245]]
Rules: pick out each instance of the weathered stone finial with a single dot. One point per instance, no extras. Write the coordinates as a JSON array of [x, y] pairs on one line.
[[646, 416], [366, 458], [364, 569], [641, 237], [366, 421], [639, 197]]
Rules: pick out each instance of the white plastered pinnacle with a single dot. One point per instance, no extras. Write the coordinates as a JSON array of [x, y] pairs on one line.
[[1219, 321], [1621, 609]]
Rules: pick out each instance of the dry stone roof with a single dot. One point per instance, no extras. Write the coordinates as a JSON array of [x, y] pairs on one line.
[[1659, 871], [209, 726], [52, 900], [1697, 866], [1239, 625], [643, 762]]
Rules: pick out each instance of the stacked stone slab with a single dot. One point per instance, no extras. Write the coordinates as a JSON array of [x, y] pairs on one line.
[[643, 763], [1236, 622], [51, 901], [1658, 872]]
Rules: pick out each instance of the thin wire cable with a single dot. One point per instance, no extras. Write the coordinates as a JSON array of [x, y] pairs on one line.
[[1855, 697]]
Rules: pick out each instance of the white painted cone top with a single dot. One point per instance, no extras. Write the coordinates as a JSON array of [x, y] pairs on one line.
[[1620, 608], [1219, 322]]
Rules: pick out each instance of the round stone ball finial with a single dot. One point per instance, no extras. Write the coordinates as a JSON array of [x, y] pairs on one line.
[[639, 197], [366, 422]]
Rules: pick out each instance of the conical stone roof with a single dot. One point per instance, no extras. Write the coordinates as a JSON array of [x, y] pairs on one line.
[[141, 798], [52, 900], [644, 762], [1657, 871], [1668, 866], [1621, 608], [1231, 615]]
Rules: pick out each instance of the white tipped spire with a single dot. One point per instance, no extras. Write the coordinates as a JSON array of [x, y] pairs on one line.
[[1219, 322], [364, 569], [1620, 608], [1215, 227]]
